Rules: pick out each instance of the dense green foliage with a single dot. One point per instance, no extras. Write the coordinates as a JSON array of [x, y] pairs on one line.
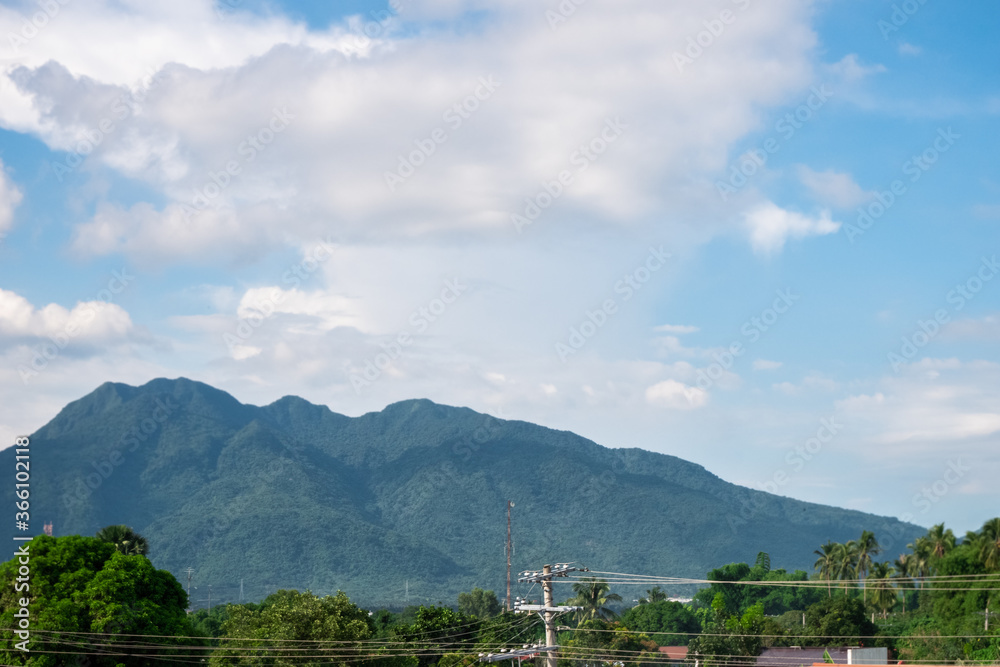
[[667, 623], [292, 628], [83, 585], [292, 495], [479, 603]]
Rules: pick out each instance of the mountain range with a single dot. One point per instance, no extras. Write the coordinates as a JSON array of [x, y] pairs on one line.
[[405, 505]]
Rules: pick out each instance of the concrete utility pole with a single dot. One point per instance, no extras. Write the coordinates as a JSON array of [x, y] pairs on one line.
[[548, 610]]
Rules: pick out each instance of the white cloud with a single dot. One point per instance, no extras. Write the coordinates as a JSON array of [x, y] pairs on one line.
[[765, 365], [850, 69], [832, 188], [770, 226], [933, 405], [676, 395], [907, 49], [676, 329], [356, 114], [87, 321], [10, 197]]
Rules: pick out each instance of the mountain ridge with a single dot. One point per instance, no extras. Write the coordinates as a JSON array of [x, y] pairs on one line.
[[409, 498]]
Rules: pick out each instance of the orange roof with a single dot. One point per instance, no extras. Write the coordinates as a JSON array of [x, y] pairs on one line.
[[675, 652]]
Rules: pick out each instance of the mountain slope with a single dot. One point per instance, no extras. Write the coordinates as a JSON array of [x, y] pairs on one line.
[[408, 501]]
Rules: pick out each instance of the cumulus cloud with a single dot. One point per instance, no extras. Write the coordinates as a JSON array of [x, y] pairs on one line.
[[87, 321], [630, 128], [770, 226], [765, 365]]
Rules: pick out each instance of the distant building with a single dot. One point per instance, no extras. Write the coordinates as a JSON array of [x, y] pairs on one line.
[[804, 656]]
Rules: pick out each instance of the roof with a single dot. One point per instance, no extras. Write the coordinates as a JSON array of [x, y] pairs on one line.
[[675, 652], [793, 656]]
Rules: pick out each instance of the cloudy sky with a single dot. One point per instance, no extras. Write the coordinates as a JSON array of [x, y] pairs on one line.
[[760, 235]]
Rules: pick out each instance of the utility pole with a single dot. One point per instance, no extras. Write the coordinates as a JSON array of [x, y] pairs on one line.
[[189, 571], [548, 610], [210, 599], [510, 550], [241, 590]]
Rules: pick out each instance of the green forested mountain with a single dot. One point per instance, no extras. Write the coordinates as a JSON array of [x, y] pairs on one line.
[[406, 504]]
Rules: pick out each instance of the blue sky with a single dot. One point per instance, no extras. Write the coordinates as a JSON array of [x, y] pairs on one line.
[[323, 199]]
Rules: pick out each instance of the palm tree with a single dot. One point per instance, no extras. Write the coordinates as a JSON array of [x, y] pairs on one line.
[[868, 546], [593, 595], [903, 570], [126, 540], [989, 544], [940, 540], [883, 594], [921, 558], [826, 563], [654, 594], [843, 560]]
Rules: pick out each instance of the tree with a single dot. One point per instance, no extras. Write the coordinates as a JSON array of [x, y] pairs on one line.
[[125, 540], [883, 593], [940, 540], [274, 631], [82, 585], [902, 573], [826, 563], [479, 603], [836, 620], [654, 594], [677, 622], [594, 595], [868, 546], [989, 544]]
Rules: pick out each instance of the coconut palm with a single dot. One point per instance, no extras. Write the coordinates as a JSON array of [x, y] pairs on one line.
[[920, 565], [902, 574], [826, 563], [940, 540], [868, 546], [126, 540], [883, 593], [846, 556], [989, 544], [593, 595]]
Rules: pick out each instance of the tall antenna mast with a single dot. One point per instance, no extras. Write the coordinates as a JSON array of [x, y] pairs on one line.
[[510, 549]]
